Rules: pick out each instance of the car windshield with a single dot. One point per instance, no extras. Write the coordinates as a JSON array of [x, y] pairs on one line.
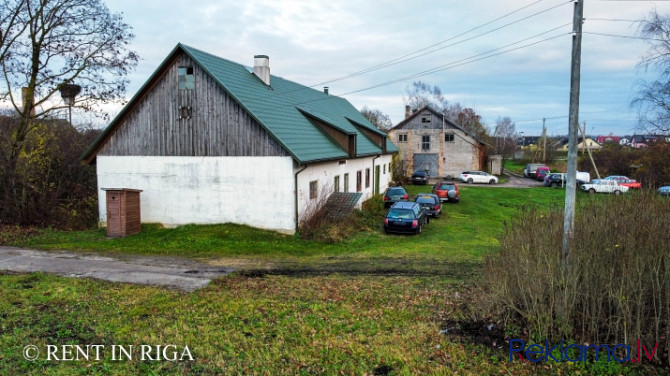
[[447, 186], [400, 214], [396, 191], [425, 200]]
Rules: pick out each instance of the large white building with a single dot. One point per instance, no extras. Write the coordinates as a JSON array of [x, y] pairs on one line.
[[208, 140]]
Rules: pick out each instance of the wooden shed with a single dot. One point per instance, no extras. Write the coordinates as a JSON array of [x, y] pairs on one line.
[[123, 212]]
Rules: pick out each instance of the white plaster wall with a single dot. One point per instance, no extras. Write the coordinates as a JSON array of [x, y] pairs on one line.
[[325, 173], [256, 191]]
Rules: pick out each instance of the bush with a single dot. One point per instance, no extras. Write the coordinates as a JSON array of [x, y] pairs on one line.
[[328, 222], [49, 187], [617, 287]]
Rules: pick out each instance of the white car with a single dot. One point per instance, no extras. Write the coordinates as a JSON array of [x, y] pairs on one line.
[[478, 177], [605, 186]]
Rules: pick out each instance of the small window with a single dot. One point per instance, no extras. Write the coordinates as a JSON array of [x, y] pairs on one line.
[[384, 168], [359, 181], [367, 178], [346, 183], [448, 137], [313, 189], [425, 143], [425, 119], [402, 138], [186, 78], [185, 112], [336, 184]]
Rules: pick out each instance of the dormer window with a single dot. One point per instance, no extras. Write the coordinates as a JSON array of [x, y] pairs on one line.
[[186, 78]]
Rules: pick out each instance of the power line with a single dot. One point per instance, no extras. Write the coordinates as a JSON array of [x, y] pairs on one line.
[[611, 20], [468, 60], [429, 49], [621, 36]]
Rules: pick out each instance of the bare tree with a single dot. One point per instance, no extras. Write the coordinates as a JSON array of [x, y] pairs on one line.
[[505, 138], [48, 45], [377, 118], [653, 99], [421, 94]]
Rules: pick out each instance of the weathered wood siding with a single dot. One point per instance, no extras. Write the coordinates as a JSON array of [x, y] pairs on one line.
[[218, 125]]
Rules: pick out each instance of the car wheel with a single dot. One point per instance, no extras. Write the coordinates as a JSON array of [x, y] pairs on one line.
[[427, 219], [419, 229], [592, 191], [492, 181], [470, 181], [617, 192], [554, 185]]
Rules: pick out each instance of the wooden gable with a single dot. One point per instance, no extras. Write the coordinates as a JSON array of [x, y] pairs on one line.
[[194, 119]]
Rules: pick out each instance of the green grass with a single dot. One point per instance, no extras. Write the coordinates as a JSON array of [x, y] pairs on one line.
[[466, 231], [515, 166], [377, 309]]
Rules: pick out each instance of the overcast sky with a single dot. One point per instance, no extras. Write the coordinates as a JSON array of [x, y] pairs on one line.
[[324, 43]]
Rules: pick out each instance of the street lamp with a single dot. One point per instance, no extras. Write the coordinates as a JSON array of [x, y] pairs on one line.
[[68, 92]]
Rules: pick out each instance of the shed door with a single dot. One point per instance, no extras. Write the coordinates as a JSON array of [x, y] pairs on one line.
[[113, 213], [426, 162]]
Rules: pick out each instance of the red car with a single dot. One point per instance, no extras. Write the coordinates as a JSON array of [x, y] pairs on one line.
[[542, 172], [625, 181], [446, 191]]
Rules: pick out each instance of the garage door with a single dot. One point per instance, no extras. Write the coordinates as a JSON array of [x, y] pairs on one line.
[[426, 162]]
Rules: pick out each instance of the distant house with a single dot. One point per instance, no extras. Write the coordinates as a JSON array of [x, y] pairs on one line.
[[642, 141], [582, 144], [427, 140], [624, 141], [608, 139], [208, 140]]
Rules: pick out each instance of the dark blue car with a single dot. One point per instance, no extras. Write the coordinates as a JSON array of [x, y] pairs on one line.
[[405, 217]]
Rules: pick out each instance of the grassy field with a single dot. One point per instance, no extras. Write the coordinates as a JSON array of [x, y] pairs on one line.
[[373, 304]]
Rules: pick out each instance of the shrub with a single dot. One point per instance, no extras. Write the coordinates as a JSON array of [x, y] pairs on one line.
[[617, 287]]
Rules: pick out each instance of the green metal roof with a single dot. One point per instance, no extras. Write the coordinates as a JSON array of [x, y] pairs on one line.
[[281, 109]]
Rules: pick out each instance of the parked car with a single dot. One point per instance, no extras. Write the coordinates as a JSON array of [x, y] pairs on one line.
[[478, 177], [531, 169], [541, 172], [447, 191], [430, 203], [605, 186], [624, 180], [664, 191], [556, 179], [419, 177], [406, 217], [394, 194]]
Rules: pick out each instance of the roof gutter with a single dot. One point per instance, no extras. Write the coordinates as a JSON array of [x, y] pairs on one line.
[[297, 213]]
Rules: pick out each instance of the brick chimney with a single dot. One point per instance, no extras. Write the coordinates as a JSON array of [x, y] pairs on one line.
[[407, 112], [262, 68]]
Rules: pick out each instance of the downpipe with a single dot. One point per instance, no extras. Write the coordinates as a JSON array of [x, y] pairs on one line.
[[297, 218]]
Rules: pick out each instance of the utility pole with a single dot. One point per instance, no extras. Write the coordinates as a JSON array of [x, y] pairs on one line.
[[588, 149], [544, 141], [571, 190]]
